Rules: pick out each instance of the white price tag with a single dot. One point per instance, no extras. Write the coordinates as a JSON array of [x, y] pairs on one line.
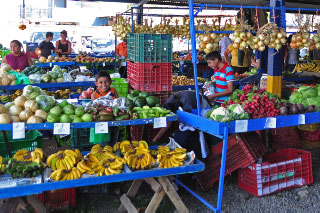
[[302, 119], [241, 126], [18, 130], [270, 123], [101, 127], [159, 122], [104, 64], [50, 64], [61, 128]]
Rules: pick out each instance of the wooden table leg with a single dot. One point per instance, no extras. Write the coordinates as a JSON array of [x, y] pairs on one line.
[[12, 205], [36, 203], [133, 190], [155, 201], [172, 194]]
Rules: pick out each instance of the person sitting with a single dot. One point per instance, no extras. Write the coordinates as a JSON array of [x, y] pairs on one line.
[[17, 59], [46, 47], [63, 46]]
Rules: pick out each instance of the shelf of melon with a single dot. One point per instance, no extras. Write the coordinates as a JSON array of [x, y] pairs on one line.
[[37, 126]]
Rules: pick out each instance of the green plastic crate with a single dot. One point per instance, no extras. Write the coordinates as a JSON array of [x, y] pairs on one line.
[[121, 86], [32, 140], [149, 48], [82, 139], [4, 53]]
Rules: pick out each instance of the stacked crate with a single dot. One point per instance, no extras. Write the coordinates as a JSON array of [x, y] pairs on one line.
[[149, 67]]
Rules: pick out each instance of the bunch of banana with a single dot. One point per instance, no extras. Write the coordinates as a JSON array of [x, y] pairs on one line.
[[103, 152], [19, 169], [162, 150], [18, 92], [5, 98], [140, 158], [25, 155], [86, 164], [64, 159], [2, 165], [108, 166], [171, 159], [62, 174], [307, 67]]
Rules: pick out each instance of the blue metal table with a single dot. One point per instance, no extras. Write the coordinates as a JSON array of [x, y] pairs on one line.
[[29, 189]]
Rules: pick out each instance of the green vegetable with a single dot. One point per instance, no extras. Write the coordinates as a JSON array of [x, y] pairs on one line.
[[79, 111], [63, 103], [140, 102], [68, 110], [77, 120], [143, 94], [46, 78], [52, 118], [87, 117], [56, 110], [123, 117], [65, 119], [135, 92], [130, 97], [152, 100]]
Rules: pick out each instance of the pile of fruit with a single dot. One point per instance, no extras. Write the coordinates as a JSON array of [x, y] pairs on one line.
[[181, 80], [313, 66], [268, 35], [101, 160], [208, 42], [59, 94], [24, 164], [52, 59], [140, 99], [188, 57], [256, 102], [90, 59], [68, 113], [6, 78], [86, 94], [33, 70], [107, 113]]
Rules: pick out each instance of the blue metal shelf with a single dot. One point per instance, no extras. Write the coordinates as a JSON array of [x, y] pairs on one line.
[[30, 189], [61, 64], [217, 128], [89, 124], [298, 79]]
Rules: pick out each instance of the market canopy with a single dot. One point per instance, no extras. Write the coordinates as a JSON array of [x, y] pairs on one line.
[[289, 3]]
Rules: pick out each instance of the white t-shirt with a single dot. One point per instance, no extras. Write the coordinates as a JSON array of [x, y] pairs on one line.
[[224, 43]]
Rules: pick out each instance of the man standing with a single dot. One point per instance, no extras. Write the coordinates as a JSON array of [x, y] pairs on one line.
[[223, 46], [46, 47]]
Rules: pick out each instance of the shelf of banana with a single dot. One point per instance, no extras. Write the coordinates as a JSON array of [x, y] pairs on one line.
[[169, 159], [313, 66]]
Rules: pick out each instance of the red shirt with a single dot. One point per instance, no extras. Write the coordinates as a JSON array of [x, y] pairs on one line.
[[18, 62]]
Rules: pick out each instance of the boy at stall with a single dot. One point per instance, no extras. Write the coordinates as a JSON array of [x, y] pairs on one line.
[[223, 75], [103, 82]]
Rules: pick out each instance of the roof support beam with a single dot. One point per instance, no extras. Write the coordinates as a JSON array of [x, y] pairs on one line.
[[141, 3]]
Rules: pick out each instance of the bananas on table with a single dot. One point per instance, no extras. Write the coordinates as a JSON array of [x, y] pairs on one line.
[[169, 159], [307, 67]]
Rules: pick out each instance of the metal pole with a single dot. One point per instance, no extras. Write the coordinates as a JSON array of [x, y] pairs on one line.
[[194, 53], [115, 48], [222, 168]]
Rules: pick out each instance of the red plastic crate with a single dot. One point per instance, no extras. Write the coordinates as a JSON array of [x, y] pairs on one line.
[[150, 77], [312, 136], [243, 150], [285, 169], [286, 137], [58, 200]]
